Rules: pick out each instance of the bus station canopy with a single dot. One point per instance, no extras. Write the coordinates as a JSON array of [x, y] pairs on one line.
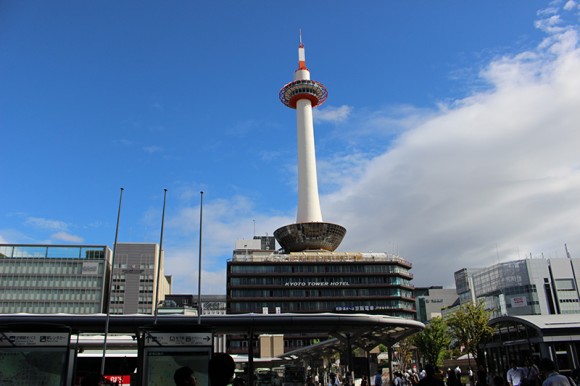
[[359, 330]]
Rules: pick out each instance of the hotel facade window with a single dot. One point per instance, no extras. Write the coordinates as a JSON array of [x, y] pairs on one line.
[[319, 281]]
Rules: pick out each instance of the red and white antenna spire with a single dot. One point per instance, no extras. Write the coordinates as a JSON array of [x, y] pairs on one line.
[[301, 55]]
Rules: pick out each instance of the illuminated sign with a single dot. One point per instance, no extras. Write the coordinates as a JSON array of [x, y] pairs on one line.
[[121, 380]]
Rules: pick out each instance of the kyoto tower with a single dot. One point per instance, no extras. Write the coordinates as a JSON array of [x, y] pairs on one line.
[[309, 232]]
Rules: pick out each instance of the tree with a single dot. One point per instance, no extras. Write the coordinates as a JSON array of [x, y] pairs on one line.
[[469, 325], [433, 341], [405, 353]]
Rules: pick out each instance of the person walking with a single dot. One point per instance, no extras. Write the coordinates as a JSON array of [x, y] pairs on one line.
[[514, 375], [221, 369], [184, 376], [430, 379], [379, 378], [553, 377]]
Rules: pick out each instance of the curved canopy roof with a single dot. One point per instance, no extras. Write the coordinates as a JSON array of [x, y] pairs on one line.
[[361, 330], [541, 323]]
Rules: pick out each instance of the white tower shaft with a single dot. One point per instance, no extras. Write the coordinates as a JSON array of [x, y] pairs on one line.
[[308, 200]]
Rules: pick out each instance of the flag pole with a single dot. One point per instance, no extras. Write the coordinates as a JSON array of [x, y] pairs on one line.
[[108, 318], [199, 268], [159, 259]]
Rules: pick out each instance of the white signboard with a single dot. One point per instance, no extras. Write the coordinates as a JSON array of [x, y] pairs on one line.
[[34, 339], [181, 339], [90, 268], [519, 301]]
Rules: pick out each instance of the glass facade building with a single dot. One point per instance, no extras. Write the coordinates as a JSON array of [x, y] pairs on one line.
[[54, 278], [523, 287]]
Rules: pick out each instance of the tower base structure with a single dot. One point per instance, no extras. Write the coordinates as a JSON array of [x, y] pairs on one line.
[[310, 236]]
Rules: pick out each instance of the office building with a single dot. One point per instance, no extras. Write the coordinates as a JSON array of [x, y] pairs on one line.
[[54, 278], [137, 267], [431, 301], [535, 286]]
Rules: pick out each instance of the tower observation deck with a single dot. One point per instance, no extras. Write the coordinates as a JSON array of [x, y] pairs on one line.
[[309, 232]]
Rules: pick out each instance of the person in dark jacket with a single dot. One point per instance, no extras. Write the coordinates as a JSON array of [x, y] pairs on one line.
[[221, 369], [430, 379]]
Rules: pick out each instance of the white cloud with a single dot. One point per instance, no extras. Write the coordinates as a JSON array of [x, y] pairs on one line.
[[65, 236], [224, 222], [494, 176], [44, 223], [332, 114], [570, 5], [152, 149]]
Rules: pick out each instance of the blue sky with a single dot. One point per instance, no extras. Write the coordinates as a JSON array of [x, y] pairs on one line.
[[450, 135]]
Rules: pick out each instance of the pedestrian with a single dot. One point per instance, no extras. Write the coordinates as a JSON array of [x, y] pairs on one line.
[[379, 378], [364, 381], [398, 380], [184, 376], [94, 379], [481, 376], [553, 377], [452, 379], [430, 379], [514, 375], [531, 373], [221, 369]]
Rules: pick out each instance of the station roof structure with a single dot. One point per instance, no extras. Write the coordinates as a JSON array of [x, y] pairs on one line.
[[360, 330], [545, 325]]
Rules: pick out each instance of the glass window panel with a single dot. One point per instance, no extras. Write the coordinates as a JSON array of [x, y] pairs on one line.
[[66, 252]]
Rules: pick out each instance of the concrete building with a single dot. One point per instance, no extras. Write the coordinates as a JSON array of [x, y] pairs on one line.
[[137, 268], [45, 279], [430, 301], [187, 303], [265, 281], [534, 286]]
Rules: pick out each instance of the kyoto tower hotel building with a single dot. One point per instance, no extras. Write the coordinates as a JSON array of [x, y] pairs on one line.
[[307, 275]]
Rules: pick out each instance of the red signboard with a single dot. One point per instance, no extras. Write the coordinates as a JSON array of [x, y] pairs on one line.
[[121, 380]]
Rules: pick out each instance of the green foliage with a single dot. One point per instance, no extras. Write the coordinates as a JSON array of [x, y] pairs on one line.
[[405, 353], [433, 341], [469, 326]]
